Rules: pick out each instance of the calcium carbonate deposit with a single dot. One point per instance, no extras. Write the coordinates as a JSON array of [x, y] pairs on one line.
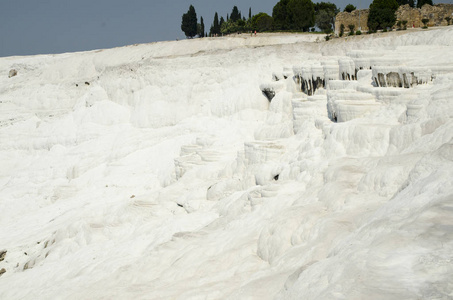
[[272, 167]]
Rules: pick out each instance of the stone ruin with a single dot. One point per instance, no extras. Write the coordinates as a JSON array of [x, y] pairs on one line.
[[358, 18], [435, 13]]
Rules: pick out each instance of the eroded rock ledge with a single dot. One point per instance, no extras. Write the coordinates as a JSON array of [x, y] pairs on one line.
[[351, 86]]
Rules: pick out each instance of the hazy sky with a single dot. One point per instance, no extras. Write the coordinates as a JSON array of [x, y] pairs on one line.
[[56, 26]]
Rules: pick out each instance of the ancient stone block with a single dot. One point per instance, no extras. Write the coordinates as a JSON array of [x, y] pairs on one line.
[[12, 73]]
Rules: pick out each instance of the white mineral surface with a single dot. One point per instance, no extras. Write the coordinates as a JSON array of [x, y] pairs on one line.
[[161, 171]]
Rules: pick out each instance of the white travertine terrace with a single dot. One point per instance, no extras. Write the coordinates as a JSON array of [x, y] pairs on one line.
[[162, 171]]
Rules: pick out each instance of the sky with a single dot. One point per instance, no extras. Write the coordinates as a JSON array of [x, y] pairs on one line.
[[29, 27]]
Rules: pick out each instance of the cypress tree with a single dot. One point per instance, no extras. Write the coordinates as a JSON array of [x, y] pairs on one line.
[[235, 15], [216, 23], [189, 22], [250, 13], [215, 28], [201, 33]]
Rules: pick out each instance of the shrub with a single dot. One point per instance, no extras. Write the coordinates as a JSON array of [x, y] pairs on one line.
[[327, 37], [404, 24], [351, 29], [425, 22], [448, 20], [358, 32], [341, 30]]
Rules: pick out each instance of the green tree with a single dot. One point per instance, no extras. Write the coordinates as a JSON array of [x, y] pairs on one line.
[[325, 13], [200, 28], [262, 22], [349, 8], [324, 21], [382, 14], [229, 27], [280, 15], [250, 13], [189, 23], [302, 14], [404, 2], [240, 24], [215, 27], [235, 14], [293, 15], [326, 6], [420, 3]]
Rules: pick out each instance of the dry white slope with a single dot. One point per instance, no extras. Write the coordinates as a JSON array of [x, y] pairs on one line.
[[150, 171]]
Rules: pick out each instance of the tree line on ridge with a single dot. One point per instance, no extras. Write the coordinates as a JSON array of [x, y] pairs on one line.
[[287, 15], [291, 15]]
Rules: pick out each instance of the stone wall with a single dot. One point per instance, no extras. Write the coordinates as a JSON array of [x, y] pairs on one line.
[[436, 15], [358, 17], [411, 15]]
